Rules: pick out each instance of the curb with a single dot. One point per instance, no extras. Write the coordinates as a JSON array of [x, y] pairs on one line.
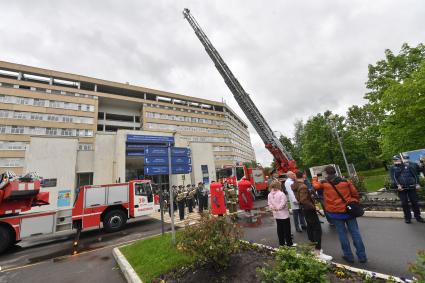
[[128, 271], [384, 214], [347, 267]]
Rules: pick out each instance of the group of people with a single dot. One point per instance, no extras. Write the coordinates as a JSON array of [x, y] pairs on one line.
[[191, 196], [300, 195]]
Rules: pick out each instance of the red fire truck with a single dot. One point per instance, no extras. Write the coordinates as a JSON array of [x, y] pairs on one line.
[[108, 205], [233, 174]]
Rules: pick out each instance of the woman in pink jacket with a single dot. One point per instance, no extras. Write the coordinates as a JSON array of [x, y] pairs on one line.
[[278, 203]]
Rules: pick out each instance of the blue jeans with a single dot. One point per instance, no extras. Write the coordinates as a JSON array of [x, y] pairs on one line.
[[298, 216], [353, 228]]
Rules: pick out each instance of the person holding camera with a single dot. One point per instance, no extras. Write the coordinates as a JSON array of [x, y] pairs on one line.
[[405, 180], [337, 193]]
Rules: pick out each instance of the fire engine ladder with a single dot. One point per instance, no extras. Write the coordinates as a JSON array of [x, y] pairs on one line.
[[248, 107]]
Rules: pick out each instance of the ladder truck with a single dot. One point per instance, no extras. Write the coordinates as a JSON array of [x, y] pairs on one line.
[[108, 206], [283, 159]]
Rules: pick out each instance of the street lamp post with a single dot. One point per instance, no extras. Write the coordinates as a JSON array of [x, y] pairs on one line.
[[332, 118]]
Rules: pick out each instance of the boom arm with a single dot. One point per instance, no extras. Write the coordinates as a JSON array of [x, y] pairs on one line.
[[284, 160]]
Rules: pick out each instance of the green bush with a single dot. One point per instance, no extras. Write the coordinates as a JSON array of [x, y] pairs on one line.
[[291, 267], [359, 183], [213, 240], [418, 268]]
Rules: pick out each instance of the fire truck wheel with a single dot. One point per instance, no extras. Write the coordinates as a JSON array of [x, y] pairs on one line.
[[5, 238], [114, 220]]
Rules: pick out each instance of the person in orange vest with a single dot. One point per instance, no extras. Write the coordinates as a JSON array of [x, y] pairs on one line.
[[336, 208]]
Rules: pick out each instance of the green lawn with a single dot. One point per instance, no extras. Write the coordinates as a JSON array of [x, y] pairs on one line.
[[155, 256], [374, 179], [374, 183]]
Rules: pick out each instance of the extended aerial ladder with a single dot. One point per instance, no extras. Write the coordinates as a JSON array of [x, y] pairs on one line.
[[283, 159]]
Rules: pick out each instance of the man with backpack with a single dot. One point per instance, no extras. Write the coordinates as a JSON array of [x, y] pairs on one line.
[[404, 178]]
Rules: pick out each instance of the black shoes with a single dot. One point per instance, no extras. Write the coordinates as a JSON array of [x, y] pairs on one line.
[[408, 221], [363, 260], [420, 219], [349, 260]]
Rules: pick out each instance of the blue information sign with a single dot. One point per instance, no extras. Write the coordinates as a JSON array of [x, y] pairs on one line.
[[156, 151], [181, 160], [180, 151], [156, 160], [149, 139], [156, 170], [181, 169]]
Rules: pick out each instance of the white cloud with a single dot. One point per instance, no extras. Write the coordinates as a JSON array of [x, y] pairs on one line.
[[295, 58]]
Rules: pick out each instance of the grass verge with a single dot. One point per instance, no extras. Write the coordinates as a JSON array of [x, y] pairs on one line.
[[374, 183], [374, 179], [155, 256]]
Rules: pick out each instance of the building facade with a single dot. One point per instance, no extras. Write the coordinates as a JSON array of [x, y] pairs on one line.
[[36, 102]]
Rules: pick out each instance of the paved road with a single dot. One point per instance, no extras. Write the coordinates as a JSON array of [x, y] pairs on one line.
[[48, 259], [390, 243]]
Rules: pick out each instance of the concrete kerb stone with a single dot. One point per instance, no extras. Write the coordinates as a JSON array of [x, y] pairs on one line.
[[343, 266], [126, 268]]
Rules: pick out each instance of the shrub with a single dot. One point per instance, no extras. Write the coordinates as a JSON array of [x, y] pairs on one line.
[[291, 267], [418, 268], [359, 183], [213, 240]]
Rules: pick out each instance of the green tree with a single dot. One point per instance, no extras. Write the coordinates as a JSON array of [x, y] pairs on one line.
[[395, 68], [317, 143], [362, 131], [404, 126]]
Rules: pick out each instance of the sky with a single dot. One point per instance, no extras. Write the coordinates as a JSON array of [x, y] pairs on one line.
[[295, 58]]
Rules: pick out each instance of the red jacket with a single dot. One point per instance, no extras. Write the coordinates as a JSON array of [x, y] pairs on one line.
[[333, 203]]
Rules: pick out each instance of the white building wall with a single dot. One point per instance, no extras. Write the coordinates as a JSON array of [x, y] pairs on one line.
[[85, 161], [104, 165], [53, 158], [202, 154]]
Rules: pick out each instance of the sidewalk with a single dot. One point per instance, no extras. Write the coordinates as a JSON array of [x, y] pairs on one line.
[[390, 243]]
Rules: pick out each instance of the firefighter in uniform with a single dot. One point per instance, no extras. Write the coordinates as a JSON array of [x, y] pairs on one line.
[[181, 201], [231, 198]]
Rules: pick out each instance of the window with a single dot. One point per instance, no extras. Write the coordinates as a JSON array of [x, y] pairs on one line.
[[67, 132], [2, 129], [143, 189], [17, 130], [51, 131], [239, 173], [4, 114], [10, 145], [52, 117], [67, 119], [11, 162], [23, 100], [38, 102], [19, 115], [36, 116], [85, 146], [84, 179]]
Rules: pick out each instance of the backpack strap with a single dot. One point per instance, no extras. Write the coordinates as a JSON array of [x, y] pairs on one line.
[[336, 190]]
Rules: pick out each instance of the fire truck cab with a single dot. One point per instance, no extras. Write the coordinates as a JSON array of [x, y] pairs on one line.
[[234, 174], [109, 205]]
